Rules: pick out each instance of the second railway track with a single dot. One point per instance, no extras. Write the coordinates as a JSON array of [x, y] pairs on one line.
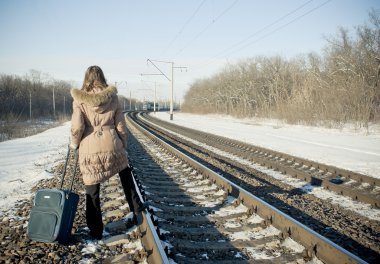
[[357, 186], [200, 216]]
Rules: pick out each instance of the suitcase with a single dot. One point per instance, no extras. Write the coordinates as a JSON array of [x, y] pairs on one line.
[[52, 216]]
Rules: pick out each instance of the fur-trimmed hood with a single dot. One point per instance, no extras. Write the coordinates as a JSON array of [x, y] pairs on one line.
[[94, 99]]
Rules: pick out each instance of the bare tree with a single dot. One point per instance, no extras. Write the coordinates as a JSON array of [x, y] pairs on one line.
[[340, 86]]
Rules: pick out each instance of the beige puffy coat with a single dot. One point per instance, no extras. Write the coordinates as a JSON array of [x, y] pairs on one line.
[[98, 127]]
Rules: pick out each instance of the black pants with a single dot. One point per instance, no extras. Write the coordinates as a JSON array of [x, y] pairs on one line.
[[93, 210]]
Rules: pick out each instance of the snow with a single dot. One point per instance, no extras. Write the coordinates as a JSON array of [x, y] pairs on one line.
[[229, 210], [255, 219], [348, 148], [255, 233], [260, 254], [25, 161], [208, 124], [292, 245], [90, 248]]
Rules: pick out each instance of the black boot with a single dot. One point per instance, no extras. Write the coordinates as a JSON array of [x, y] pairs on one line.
[[141, 207], [132, 221], [135, 205]]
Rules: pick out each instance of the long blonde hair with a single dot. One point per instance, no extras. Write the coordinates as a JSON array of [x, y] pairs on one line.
[[94, 78]]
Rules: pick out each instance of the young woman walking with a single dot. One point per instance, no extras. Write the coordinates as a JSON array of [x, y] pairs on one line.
[[98, 128]]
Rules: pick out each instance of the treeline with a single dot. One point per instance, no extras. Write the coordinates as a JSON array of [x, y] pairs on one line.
[[35, 96], [340, 86]]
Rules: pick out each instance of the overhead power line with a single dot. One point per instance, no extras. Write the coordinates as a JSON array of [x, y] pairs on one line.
[[183, 27], [225, 53], [205, 28], [265, 28], [281, 27]]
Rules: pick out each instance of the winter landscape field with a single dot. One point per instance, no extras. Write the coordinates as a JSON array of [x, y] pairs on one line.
[[27, 160]]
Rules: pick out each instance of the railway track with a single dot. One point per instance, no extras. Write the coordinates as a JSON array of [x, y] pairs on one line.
[[201, 216], [347, 183]]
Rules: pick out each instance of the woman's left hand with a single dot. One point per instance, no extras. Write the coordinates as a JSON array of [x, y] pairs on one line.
[[73, 146]]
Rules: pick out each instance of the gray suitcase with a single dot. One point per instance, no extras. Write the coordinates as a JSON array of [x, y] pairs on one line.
[[52, 216]]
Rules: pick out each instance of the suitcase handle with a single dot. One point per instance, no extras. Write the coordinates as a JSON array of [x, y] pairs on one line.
[[65, 168]]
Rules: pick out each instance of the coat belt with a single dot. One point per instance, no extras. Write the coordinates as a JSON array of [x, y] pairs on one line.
[[98, 129]]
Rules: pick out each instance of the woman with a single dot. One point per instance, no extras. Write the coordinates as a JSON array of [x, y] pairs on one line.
[[99, 130]]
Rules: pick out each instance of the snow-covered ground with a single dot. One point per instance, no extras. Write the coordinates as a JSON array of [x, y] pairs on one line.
[[297, 137], [24, 161], [348, 148]]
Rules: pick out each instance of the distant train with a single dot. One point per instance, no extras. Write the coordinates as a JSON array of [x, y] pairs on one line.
[[149, 106]]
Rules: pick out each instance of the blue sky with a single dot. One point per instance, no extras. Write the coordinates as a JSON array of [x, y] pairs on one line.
[[63, 38]]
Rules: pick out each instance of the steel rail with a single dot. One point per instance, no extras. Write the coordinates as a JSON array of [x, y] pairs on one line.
[[151, 241], [327, 181], [149, 237], [315, 244]]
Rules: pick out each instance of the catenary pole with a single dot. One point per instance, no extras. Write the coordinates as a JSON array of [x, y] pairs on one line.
[[154, 105], [30, 105], [171, 80], [53, 103], [130, 100], [171, 93]]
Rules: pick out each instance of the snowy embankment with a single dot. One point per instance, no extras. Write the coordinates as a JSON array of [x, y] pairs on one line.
[[311, 143], [25, 161], [346, 148]]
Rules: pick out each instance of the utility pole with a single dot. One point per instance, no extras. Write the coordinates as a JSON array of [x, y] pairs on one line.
[[172, 80], [53, 103], [126, 87], [130, 100], [30, 105], [154, 105], [145, 99], [172, 93], [155, 90]]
